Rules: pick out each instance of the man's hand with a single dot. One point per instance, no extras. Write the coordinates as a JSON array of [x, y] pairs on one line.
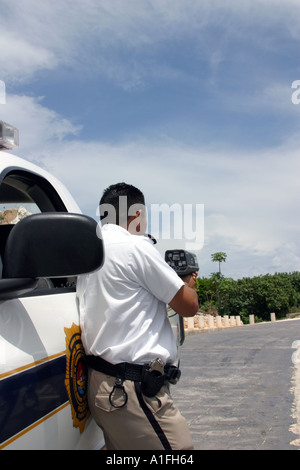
[[190, 280], [185, 302]]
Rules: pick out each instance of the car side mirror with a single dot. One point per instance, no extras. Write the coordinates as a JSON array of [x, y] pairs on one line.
[[49, 245]]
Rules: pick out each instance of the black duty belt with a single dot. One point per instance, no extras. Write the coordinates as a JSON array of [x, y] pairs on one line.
[[134, 372]]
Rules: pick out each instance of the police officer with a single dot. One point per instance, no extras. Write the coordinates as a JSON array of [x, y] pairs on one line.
[[126, 333]]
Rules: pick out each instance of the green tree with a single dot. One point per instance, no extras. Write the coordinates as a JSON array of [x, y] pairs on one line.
[[220, 257], [207, 294]]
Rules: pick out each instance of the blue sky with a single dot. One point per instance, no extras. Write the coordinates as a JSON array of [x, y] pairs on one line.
[[190, 100]]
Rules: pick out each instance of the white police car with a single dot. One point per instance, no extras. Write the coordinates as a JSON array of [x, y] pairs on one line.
[[42, 369]]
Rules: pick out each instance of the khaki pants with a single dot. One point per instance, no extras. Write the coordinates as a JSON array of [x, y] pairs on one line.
[[143, 423]]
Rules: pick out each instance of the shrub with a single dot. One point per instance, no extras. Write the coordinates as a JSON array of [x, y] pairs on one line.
[[259, 296]]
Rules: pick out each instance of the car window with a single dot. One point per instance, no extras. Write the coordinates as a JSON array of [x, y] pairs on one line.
[[12, 213], [23, 193], [22, 188]]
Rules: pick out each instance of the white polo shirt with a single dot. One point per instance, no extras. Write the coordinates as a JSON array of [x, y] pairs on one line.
[[123, 315]]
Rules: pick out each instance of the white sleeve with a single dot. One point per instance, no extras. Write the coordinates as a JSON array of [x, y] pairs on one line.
[[150, 271]]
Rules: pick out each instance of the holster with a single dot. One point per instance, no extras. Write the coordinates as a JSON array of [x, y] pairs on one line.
[[152, 381]]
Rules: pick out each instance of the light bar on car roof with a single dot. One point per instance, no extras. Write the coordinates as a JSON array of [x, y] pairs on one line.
[[9, 136]]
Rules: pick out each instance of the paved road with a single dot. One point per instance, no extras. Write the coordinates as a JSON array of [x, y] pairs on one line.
[[237, 387]]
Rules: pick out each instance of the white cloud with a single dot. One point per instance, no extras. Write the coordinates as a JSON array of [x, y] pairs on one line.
[[20, 59], [39, 127], [97, 35], [251, 199], [250, 196]]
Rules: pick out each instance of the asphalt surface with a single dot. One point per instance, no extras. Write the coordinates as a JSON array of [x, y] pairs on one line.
[[237, 389]]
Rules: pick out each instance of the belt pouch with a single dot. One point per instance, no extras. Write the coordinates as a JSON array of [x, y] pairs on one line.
[[152, 381]]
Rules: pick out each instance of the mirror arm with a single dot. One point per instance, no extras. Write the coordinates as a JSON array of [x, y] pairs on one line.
[[14, 287]]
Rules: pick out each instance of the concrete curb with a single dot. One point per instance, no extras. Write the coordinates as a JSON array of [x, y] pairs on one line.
[[206, 323], [189, 330]]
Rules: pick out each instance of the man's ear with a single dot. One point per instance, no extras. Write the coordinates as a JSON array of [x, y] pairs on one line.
[[133, 224]]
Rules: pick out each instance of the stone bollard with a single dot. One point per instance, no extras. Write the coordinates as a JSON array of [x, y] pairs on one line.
[[232, 321], [210, 321], [218, 321], [201, 321], [273, 317], [251, 319], [190, 323], [226, 320], [238, 320]]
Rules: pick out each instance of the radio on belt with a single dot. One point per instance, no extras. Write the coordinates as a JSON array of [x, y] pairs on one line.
[[182, 261]]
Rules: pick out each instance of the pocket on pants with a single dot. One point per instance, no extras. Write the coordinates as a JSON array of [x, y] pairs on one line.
[[160, 401]]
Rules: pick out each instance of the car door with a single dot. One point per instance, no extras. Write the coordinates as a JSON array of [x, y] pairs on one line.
[[42, 370]]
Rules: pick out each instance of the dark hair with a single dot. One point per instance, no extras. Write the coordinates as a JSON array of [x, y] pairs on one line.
[[112, 194]]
